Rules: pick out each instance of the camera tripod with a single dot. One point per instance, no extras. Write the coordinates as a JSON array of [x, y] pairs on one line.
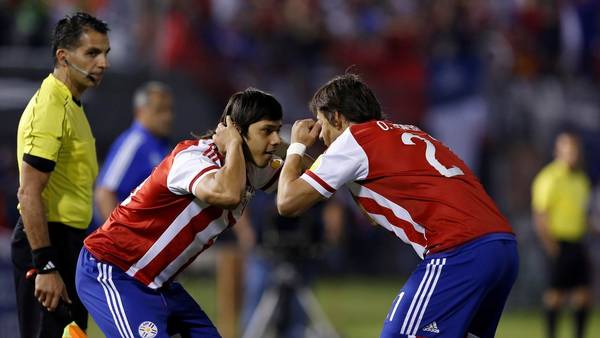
[[273, 310]]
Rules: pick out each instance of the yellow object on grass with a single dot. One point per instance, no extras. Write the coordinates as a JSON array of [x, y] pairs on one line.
[[73, 331]]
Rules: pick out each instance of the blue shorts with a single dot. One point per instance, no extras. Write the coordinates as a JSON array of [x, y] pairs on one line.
[[456, 292], [124, 307]]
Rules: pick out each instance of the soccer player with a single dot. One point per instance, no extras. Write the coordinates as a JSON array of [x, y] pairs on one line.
[[126, 270], [412, 185], [57, 167]]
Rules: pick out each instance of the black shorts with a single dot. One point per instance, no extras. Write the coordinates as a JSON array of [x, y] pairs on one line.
[[571, 268], [34, 320]]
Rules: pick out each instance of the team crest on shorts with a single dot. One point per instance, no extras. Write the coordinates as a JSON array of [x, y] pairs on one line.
[[147, 330]]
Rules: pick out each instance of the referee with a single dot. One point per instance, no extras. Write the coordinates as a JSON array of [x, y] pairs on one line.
[[560, 198], [57, 166]]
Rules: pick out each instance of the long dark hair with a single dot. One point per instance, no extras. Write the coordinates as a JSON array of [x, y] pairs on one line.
[[247, 107]]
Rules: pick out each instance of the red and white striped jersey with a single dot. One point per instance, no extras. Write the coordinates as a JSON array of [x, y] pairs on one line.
[[409, 183], [161, 227]]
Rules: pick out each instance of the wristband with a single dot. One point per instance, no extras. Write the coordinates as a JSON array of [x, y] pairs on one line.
[[44, 260], [296, 148]]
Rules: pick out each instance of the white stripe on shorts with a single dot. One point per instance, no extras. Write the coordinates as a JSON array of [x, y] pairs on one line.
[[432, 273], [437, 277], [415, 297], [113, 300]]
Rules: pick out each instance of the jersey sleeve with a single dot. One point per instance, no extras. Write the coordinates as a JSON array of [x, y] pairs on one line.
[[344, 161], [120, 165], [189, 166], [266, 178], [46, 128]]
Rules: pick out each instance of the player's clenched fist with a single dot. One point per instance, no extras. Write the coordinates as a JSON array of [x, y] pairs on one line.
[[305, 131], [227, 135]]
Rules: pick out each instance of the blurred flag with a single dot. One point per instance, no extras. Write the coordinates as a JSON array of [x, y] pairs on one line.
[[73, 331]]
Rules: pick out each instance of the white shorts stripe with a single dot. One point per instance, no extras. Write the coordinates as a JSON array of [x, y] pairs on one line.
[[102, 279], [412, 303], [105, 279], [422, 295], [437, 277], [119, 302], [119, 315]]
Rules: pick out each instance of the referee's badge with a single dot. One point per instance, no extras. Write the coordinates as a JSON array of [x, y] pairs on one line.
[[147, 330]]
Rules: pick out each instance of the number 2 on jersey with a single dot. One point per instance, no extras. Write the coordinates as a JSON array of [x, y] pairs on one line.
[[407, 138]]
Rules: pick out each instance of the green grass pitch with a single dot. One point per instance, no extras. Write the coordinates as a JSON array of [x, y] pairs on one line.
[[357, 307]]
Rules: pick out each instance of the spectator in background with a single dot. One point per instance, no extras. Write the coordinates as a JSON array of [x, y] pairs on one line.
[[136, 151], [455, 71], [57, 168], [560, 197]]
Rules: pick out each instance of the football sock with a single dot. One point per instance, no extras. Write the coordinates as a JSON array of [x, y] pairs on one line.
[[581, 316], [551, 316]]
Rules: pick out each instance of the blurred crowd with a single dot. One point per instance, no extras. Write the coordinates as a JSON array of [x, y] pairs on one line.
[[492, 79]]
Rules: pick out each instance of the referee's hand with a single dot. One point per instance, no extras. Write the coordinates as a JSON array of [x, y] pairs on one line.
[[49, 289]]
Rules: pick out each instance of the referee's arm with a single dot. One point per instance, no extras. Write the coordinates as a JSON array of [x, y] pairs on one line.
[[542, 228], [33, 182], [35, 173]]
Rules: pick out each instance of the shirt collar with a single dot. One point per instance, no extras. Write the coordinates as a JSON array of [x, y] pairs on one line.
[[51, 80]]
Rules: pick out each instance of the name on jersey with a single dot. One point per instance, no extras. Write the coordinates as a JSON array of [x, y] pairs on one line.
[[388, 126]]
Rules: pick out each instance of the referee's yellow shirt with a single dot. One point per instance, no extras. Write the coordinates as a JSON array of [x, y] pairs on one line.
[[562, 194], [54, 127]]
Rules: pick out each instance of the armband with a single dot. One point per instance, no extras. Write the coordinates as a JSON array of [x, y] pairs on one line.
[[44, 260], [296, 148]]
